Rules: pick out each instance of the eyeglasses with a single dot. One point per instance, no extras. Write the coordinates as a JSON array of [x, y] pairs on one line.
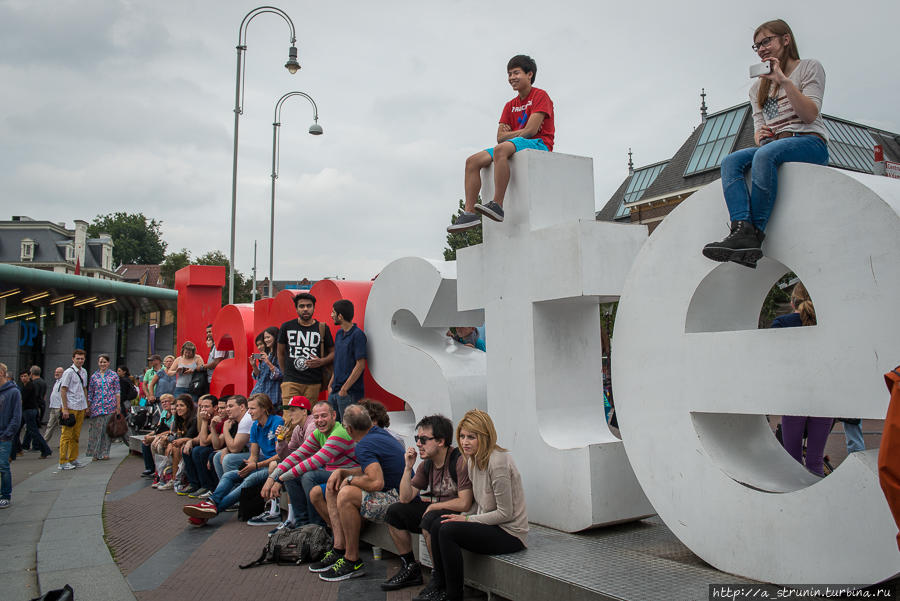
[[423, 439], [763, 42]]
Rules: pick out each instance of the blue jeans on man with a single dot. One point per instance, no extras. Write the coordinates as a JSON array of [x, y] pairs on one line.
[[228, 492], [5, 473], [763, 162], [854, 437], [298, 492], [195, 467], [232, 461], [340, 403], [33, 438]]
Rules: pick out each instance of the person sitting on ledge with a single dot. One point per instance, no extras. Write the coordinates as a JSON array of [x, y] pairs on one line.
[[256, 467], [155, 441], [526, 122], [445, 476], [499, 523], [364, 492], [327, 449], [788, 126]]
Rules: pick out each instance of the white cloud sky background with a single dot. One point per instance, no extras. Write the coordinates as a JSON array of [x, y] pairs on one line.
[[122, 105]]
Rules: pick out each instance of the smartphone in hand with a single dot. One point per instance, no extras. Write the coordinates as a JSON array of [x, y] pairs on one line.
[[763, 68]]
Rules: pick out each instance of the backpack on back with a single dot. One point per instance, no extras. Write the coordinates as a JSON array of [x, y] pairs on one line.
[[294, 545]]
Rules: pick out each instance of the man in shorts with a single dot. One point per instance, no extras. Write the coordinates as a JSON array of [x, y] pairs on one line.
[[526, 122], [364, 492]]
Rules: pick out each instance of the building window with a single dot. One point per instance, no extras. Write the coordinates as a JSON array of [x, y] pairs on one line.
[[27, 249], [717, 140], [70, 252], [640, 181], [850, 146]]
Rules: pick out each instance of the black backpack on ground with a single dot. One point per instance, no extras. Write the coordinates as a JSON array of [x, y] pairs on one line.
[[251, 504], [294, 545]]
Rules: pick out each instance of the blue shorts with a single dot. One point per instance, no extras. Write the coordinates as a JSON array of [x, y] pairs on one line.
[[522, 144]]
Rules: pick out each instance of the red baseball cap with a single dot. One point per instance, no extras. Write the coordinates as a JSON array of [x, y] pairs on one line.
[[299, 401]]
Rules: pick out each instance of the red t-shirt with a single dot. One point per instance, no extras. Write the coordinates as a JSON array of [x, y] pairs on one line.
[[517, 111]]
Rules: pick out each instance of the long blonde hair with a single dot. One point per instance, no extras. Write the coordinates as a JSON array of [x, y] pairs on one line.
[[802, 304], [779, 28], [480, 424]]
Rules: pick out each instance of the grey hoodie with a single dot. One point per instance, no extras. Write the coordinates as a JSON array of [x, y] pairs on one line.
[[10, 410]]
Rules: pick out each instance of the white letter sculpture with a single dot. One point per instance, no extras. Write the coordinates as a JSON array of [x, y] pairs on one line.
[[410, 307], [540, 276], [694, 377]]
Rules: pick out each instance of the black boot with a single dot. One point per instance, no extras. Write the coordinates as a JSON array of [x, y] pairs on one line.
[[742, 245]]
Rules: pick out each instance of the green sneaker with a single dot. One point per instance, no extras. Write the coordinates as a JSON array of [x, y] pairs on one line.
[[329, 559], [344, 569]]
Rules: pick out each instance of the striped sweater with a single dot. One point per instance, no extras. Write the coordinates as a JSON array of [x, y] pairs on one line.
[[319, 451]]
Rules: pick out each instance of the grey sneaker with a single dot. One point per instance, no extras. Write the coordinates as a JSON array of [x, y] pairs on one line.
[[265, 519], [198, 494], [4, 503], [282, 526], [66, 466], [207, 495], [491, 210], [464, 222], [78, 463]]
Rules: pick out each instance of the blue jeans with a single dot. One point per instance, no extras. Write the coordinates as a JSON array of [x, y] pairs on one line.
[[763, 161], [854, 435], [340, 403], [5, 475], [195, 467], [228, 492], [298, 490], [33, 432], [232, 462]]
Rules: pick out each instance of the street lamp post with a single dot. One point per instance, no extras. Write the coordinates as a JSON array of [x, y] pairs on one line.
[[292, 66], [314, 129]]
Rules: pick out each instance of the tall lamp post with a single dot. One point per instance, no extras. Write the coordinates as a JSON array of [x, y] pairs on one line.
[[291, 65], [314, 129]]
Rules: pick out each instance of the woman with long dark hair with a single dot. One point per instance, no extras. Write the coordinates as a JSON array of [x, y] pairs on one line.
[[265, 366], [787, 121]]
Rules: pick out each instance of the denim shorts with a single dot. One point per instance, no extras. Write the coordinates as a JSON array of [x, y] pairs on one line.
[[522, 144]]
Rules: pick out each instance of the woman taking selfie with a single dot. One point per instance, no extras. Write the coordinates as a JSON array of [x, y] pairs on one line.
[[786, 100], [497, 522]]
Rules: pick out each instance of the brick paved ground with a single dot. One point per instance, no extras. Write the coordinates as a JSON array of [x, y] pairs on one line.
[[139, 521]]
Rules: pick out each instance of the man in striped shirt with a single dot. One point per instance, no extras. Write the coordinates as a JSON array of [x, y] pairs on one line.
[[327, 449]]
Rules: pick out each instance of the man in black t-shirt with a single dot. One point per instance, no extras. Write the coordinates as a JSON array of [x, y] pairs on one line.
[[305, 351]]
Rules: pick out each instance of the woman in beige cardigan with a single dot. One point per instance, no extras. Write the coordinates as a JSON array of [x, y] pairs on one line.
[[497, 522]]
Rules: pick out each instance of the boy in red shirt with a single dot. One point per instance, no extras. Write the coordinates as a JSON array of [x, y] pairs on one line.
[[526, 122]]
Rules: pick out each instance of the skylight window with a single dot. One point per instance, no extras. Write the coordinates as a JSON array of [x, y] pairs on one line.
[[717, 140], [640, 181], [849, 146]]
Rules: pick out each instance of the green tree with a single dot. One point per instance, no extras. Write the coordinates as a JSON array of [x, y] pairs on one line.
[[136, 240], [172, 263], [458, 240], [242, 285], [779, 294]]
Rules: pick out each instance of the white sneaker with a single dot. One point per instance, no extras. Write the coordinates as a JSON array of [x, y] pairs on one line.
[[79, 463], [167, 486], [66, 466], [4, 503], [206, 496]]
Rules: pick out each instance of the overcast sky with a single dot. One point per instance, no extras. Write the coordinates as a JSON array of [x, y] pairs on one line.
[[113, 105]]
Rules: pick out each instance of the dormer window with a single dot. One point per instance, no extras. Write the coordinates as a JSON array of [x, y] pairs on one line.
[[70, 253], [27, 249]]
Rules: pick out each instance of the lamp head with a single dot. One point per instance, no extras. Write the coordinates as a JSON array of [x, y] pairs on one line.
[[292, 65], [315, 129]]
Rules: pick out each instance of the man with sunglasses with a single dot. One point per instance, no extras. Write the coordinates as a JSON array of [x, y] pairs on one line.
[[445, 477]]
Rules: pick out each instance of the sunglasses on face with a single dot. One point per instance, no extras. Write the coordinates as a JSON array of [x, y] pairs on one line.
[[422, 439]]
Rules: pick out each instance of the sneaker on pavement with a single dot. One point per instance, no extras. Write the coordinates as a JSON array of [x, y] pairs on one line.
[[147, 474], [166, 486], [207, 495], [198, 494], [344, 569], [197, 522], [465, 221], [185, 491], [265, 519], [66, 466], [78, 463], [329, 559], [282, 526], [4, 503], [204, 509], [491, 210], [234, 507], [409, 575], [429, 593]]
